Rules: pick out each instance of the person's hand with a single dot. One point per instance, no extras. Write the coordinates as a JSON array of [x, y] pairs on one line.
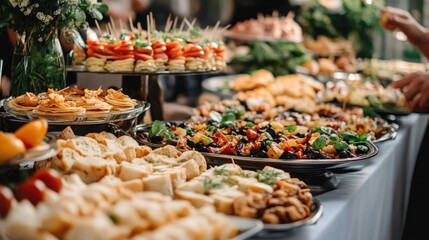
[[398, 19], [416, 90]]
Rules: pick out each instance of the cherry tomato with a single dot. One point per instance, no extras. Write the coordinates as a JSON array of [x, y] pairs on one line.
[[144, 50], [288, 148], [251, 134], [50, 177], [174, 52], [6, 199], [159, 49], [122, 56], [102, 50], [228, 149], [141, 56], [123, 49], [115, 44], [196, 54], [32, 189], [158, 44], [173, 44]]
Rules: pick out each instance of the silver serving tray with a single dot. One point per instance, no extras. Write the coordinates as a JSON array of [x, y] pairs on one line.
[[83, 69], [259, 163], [389, 135], [219, 86], [316, 213], [248, 227], [79, 119]]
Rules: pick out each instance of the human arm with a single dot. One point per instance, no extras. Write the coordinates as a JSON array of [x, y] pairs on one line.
[[398, 19], [416, 90]]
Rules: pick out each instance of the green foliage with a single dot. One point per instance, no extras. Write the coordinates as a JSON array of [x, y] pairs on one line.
[[40, 17], [355, 21], [280, 58]]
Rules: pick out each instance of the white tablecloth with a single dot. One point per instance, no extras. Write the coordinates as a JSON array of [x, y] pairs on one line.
[[369, 203]]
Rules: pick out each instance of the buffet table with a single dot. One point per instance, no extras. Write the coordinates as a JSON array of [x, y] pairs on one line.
[[370, 201]]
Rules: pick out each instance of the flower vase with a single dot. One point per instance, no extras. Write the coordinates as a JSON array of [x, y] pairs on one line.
[[37, 64]]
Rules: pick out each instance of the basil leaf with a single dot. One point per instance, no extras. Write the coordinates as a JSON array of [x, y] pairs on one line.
[[349, 136], [362, 149], [363, 137], [320, 142], [341, 146], [334, 138], [291, 128], [159, 129], [325, 130], [249, 124]]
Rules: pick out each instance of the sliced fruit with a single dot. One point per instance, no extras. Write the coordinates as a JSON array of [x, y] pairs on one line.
[[32, 133]]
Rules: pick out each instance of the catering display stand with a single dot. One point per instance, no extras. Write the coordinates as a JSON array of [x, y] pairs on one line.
[[146, 86]]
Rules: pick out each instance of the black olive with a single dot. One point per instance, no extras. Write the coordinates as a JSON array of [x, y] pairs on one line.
[[156, 139], [343, 154], [213, 144], [288, 155], [242, 132], [168, 124], [200, 147], [247, 119], [300, 135], [211, 122], [183, 125], [233, 132], [240, 146], [190, 143], [172, 142], [263, 146], [312, 154], [189, 132], [271, 131], [261, 154], [261, 131]]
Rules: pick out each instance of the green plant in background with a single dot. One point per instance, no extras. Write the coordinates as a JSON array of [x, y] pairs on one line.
[[354, 20], [38, 62], [280, 58]]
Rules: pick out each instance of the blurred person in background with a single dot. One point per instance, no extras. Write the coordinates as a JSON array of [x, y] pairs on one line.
[[7, 41], [416, 85], [416, 89]]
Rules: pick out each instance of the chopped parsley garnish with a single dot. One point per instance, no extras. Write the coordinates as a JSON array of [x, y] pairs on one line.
[[268, 176]]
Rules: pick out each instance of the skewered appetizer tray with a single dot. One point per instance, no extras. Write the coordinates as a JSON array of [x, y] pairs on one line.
[[173, 50]]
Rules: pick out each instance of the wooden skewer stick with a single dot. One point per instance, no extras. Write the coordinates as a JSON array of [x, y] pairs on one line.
[[190, 25], [139, 28], [115, 31], [182, 25], [175, 22], [167, 22], [224, 29], [130, 20], [121, 26], [152, 21], [109, 26], [148, 28], [214, 29], [98, 28]]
